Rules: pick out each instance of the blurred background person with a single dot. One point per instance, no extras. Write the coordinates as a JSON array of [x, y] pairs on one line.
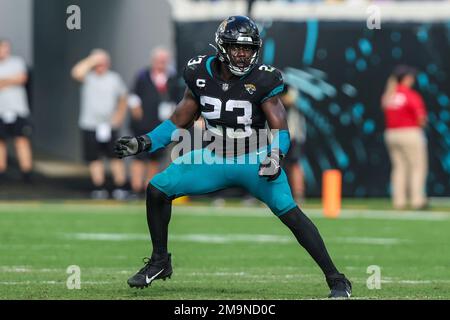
[[297, 132], [406, 117], [103, 110], [154, 100], [14, 111]]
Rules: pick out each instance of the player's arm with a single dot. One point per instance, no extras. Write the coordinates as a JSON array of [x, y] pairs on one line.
[[276, 118], [275, 113], [186, 112], [183, 117]]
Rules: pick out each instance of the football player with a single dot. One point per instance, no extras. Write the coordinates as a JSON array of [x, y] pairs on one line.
[[237, 97]]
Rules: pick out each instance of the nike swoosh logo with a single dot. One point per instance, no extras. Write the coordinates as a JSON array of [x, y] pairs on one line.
[[148, 280], [348, 294]]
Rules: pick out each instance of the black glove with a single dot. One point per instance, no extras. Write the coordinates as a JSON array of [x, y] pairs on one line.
[[270, 168], [130, 146]]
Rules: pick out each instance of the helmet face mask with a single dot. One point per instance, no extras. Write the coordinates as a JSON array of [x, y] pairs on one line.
[[238, 44]]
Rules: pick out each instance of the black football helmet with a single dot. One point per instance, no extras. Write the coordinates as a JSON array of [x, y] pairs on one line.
[[238, 30]]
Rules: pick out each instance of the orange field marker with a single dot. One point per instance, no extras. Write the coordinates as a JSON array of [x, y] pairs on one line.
[[331, 193]]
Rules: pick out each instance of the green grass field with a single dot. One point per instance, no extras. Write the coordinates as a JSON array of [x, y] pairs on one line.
[[232, 252]]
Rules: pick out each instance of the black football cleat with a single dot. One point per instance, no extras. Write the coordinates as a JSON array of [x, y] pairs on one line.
[[340, 286], [154, 269]]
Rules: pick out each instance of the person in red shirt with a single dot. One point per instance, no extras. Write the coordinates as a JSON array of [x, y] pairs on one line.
[[405, 118]]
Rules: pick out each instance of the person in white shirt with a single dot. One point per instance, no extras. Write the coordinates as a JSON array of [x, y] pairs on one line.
[[14, 111], [103, 110]]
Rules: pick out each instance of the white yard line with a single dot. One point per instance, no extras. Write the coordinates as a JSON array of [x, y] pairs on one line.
[[232, 211], [242, 278], [30, 269], [231, 238], [62, 283], [414, 282], [107, 236], [202, 238], [228, 238], [188, 276], [15, 269], [367, 240], [316, 213]]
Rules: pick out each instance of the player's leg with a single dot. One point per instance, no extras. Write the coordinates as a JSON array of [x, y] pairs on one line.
[[182, 177], [278, 197], [179, 179], [308, 237], [159, 266], [188, 175]]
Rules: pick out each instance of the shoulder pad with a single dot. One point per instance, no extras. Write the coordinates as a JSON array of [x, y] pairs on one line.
[[193, 66], [271, 79]]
